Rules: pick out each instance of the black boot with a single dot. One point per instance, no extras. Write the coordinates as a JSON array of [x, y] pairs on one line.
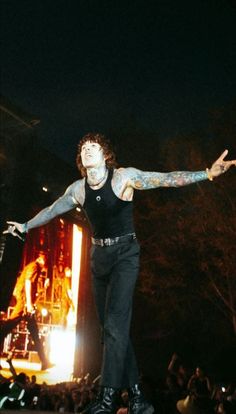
[[106, 403], [137, 402]]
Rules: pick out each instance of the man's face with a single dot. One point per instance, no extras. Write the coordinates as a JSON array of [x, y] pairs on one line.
[[41, 261], [92, 155]]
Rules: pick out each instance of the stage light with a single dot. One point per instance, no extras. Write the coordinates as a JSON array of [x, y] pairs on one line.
[[76, 261], [63, 340], [45, 189], [62, 349], [44, 312]]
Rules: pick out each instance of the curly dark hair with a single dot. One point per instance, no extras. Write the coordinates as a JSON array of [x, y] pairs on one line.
[[107, 150]]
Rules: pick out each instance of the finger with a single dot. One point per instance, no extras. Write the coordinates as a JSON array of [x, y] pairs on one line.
[[11, 222], [22, 238], [228, 164], [17, 235], [11, 229], [223, 155]]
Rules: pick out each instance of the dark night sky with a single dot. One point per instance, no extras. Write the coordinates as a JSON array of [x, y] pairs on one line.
[[97, 64]]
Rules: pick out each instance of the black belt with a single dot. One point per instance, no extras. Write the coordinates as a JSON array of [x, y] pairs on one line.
[[111, 241]]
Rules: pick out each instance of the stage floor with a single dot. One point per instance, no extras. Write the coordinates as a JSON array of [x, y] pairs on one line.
[[51, 376]]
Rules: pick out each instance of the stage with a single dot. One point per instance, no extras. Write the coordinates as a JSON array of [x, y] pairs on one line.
[[56, 374]]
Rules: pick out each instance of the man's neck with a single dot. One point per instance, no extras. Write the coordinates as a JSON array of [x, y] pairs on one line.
[[97, 176]]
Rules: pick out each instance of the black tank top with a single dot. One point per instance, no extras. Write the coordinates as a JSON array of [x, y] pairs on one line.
[[109, 216]]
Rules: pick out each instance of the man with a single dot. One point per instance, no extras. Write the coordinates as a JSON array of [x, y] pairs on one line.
[[63, 292], [26, 287], [24, 295], [106, 194]]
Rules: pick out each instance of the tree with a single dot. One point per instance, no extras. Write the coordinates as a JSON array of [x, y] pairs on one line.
[[188, 241]]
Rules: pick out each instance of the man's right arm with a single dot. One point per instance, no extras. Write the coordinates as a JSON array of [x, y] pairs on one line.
[[63, 204], [60, 206]]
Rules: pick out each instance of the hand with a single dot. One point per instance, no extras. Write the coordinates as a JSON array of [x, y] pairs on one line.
[[13, 227], [46, 283], [220, 166], [10, 355], [29, 308]]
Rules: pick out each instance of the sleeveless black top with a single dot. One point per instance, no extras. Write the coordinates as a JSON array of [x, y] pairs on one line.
[[109, 216]]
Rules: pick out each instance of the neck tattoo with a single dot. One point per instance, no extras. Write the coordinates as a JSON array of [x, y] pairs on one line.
[[92, 184]]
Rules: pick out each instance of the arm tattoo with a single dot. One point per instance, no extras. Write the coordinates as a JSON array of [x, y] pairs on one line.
[[118, 184], [143, 180], [60, 206]]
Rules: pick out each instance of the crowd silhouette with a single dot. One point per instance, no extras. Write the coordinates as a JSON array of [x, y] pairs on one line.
[[181, 391]]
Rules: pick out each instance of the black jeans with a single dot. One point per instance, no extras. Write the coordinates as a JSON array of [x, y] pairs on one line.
[[114, 274]]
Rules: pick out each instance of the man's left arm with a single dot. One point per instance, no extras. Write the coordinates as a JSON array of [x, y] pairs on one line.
[[145, 180], [29, 274]]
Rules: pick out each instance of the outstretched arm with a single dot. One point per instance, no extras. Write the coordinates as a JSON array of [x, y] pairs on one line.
[[144, 180], [63, 204]]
